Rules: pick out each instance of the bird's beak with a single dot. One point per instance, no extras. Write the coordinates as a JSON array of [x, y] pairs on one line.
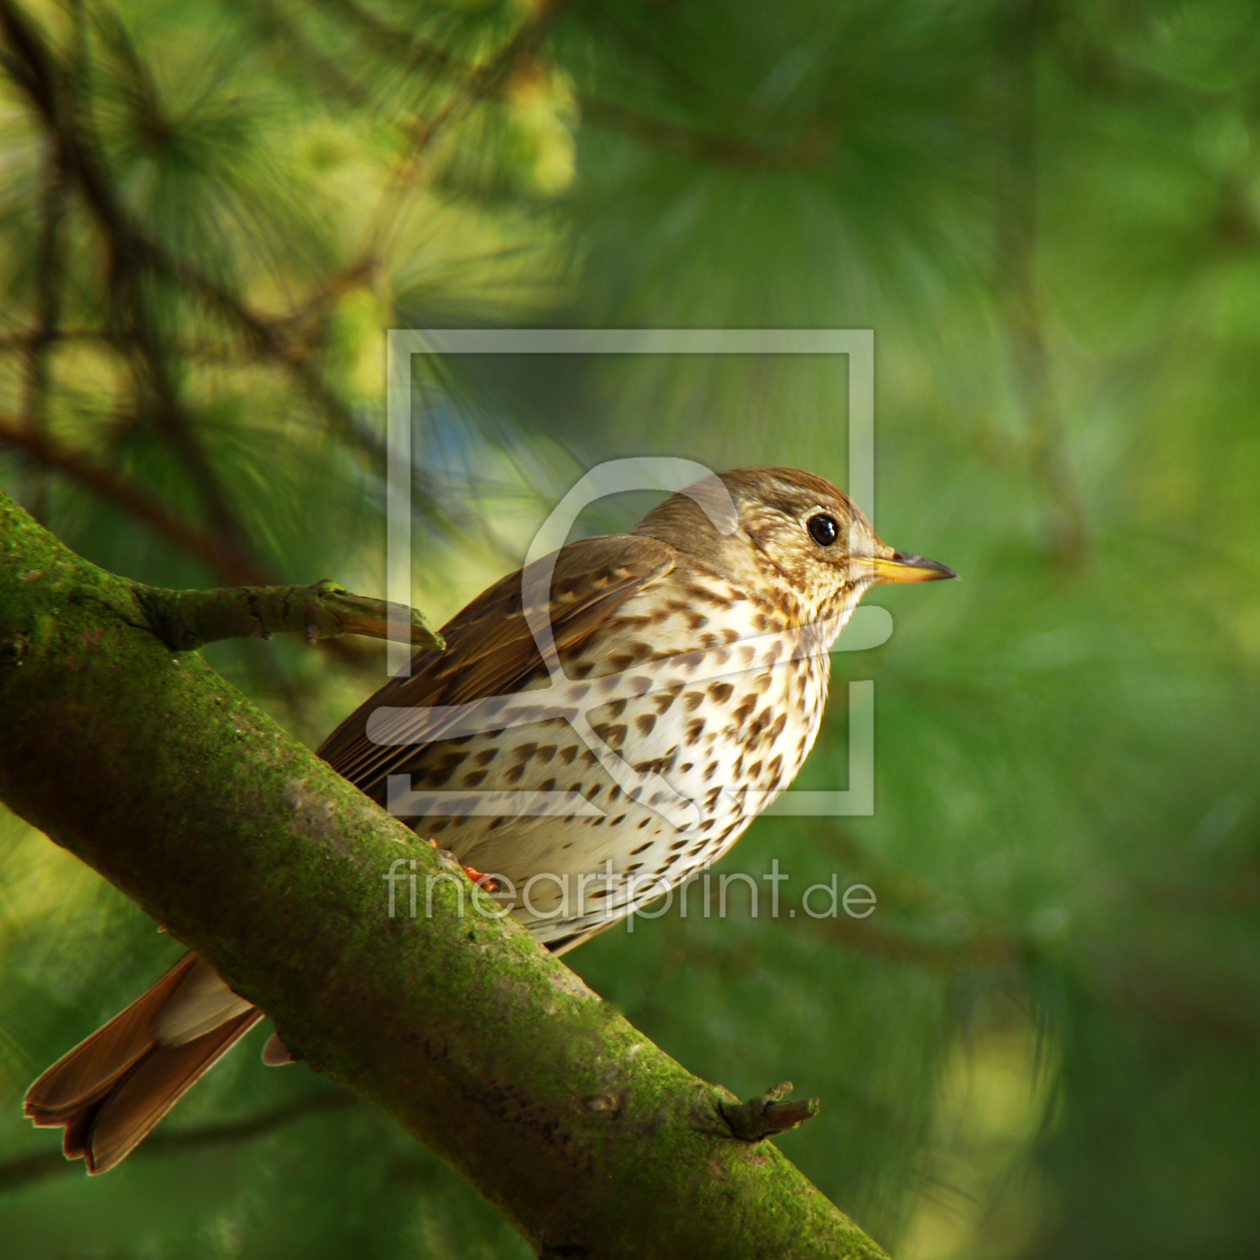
[[903, 567]]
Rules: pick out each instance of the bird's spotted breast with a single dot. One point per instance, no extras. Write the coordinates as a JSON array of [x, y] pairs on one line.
[[702, 685]]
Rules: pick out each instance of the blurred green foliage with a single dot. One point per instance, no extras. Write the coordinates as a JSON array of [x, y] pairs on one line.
[[1044, 1042]]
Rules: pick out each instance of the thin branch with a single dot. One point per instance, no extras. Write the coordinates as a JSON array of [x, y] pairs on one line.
[[39, 1165], [983, 950], [221, 352], [222, 557], [186, 620], [810, 149], [22, 341]]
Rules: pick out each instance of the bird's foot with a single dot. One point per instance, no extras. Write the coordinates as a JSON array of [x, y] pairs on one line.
[[487, 883]]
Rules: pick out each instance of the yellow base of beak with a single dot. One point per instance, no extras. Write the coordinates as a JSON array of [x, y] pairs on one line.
[[904, 567]]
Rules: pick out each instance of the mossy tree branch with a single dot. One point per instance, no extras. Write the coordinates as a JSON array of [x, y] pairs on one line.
[[249, 849]]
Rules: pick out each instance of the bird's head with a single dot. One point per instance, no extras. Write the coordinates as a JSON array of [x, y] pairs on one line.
[[792, 529]]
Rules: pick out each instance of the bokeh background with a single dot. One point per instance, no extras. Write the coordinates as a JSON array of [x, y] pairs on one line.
[[1044, 1042]]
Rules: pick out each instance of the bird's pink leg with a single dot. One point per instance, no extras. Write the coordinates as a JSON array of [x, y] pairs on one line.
[[487, 883]]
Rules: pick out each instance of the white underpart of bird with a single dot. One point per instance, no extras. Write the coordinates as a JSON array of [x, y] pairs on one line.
[[726, 727]]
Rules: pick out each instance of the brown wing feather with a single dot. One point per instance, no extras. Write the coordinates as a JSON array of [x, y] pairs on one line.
[[151, 1089], [490, 648], [87, 1073], [111, 1089]]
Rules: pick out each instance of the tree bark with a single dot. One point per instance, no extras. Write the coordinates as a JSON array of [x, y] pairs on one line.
[[185, 620], [144, 763]]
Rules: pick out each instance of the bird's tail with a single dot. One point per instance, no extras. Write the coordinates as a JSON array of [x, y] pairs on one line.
[[111, 1089]]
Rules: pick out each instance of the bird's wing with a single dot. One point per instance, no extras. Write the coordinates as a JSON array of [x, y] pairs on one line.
[[490, 649]]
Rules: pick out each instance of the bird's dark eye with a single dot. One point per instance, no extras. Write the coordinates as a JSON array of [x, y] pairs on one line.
[[823, 529]]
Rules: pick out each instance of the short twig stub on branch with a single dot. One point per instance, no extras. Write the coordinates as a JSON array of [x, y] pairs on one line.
[[766, 1115]]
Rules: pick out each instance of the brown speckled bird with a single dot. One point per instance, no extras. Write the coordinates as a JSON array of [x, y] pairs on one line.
[[590, 741]]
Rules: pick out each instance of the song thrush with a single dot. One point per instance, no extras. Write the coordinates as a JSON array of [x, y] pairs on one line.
[[600, 726]]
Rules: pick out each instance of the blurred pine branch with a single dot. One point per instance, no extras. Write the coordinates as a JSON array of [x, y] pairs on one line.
[[1043, 1042]]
